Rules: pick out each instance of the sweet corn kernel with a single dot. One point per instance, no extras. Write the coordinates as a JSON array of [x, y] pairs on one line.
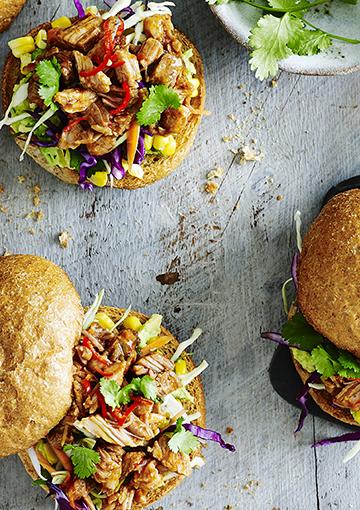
[[180, 367], [92, 9], [148, 142], [170, 147], [25, 60], [41, 39], [104, 320], [159, 142], [22, 45], [195, 83], [63, 22], [99, 179], [132, 322]]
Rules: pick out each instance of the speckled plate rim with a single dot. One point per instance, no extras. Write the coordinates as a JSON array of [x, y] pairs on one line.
[[291, 64]]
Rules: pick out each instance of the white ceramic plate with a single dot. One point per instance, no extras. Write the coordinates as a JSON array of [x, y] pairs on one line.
[[340, 58]]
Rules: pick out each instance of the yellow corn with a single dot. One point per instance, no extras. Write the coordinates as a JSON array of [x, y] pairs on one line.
[[104, 320], [99, 179], [195, 83], [180, 367], [63, 22], [22, 45], [148, 142], [41, 39], [92, 9], [24, 61], [132, 322], [165, 144]]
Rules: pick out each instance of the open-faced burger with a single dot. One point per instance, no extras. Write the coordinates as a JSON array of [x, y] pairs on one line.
[[106, 410], [105, 99]]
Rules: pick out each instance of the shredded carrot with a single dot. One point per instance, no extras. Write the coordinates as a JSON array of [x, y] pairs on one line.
[[155, 344], [132, 142], [64, 436]]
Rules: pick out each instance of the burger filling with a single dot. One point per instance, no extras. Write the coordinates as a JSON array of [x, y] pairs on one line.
[[129, 430], [100, 93]]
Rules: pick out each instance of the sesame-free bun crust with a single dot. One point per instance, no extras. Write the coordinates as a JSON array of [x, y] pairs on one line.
[[155, 167], [9, 9], [328, 273], [195, 388], [40, 319]]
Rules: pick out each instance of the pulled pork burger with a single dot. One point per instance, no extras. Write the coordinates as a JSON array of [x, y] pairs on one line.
[[127, 416], [105, 99], [323, 329]]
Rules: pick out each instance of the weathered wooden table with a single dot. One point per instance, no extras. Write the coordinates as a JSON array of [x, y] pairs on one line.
[[232, 253]]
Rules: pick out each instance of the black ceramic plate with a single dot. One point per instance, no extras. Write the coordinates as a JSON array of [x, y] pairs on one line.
[[283, 376]]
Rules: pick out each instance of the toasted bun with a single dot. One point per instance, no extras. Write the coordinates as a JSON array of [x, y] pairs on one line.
[[40, 319], [155, 167], [9, 9], [329, 286], [323, 399], [195, 388]]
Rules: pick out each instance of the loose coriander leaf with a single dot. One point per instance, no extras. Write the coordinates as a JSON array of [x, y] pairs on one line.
[[148, 387], [325, 365], [83, 459], [287, 5], [298, 331], [270, 40], [183, 441], [110, 391], [160, 98], [49, 72], [311, 42], [349, 365]]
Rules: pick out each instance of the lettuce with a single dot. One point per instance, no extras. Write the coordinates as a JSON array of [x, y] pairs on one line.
[[57, 157]]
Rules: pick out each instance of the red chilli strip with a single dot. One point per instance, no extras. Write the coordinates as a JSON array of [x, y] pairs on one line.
[[95, 70], [73, 123], [86, 385], [126, 100], [86, 342], [102, 404]]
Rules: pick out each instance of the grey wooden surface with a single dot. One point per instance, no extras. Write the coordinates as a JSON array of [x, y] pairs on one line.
[[232, 253]]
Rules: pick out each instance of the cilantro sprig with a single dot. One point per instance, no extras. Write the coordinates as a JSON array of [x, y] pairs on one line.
[[115, 396], [317, 353], [49, 73], [83, 459], [183, 440], [160, 98], [283, 31]]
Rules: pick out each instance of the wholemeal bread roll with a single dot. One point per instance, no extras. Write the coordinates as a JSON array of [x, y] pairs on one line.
[[40, 319], [195, 388], [155, 167], [9, 9], [328, 283]]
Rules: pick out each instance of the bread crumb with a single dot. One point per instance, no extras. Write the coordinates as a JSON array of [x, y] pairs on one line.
[[64, 239], [232, 117], [211, 187], [229, 430], [218, 171], [207, 113], [247, 153], [279, 198], [36, 200], [3, 209], [31, 231], [228, 507], [251, 486], [273, 84], [2, 189], [6, 253], [21, 179]]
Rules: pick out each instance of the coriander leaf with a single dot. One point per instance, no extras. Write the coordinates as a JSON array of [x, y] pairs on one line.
[[311, 42], [83, 459], [148, 387], [352, 2], [183, 440], [270, 40], [298, 331], [36, 53], [124, 395], [325, 365], [287, 5], [160, 98], [49, 72], [110, 391], [350, 365]]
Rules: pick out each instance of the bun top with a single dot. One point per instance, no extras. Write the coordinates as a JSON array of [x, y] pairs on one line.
[[40, 319], [329, 269]]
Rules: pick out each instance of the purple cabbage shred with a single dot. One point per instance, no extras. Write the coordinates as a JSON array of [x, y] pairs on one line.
[[63, 500], [80, 9], [140, 151], [302, 398], [344, 438], [274, 337], [209, 435]]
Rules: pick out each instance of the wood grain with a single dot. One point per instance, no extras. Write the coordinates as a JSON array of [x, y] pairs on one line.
[[232, 253]]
